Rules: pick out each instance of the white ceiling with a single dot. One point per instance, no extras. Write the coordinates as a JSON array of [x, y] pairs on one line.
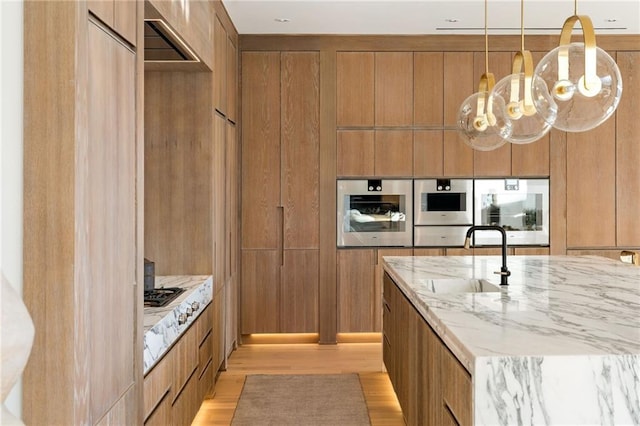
[[426, 16]]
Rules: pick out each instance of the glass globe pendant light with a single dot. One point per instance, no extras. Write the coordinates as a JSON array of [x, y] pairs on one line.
[[583, 79], [482, 122], [528, 124]]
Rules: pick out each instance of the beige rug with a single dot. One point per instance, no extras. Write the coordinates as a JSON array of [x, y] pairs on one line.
[[307, 400]]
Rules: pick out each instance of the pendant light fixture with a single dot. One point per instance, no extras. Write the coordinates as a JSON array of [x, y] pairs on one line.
[[482, 122], [528, 124], [583, 79]]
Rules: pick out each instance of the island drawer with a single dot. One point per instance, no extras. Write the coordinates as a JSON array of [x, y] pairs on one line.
[[456, 388]]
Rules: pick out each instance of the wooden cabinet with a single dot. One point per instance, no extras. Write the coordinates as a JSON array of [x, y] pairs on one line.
[[233, 236], [176, 386], [82, 217], [375, 153], [355, 88], [393, 88], [428, 153], [120, 15], [232, 82], [280, 211], [432, 387], [428, 88], [360, 288], [591, 198], [628, 153], [219, 66], [458, 156], [458, 83]]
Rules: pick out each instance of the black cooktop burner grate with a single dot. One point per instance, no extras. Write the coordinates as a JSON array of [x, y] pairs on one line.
[[161, 296]]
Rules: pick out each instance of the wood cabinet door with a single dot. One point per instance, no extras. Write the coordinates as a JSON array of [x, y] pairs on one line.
[[458, 156], [456, 389], [355, 88], [219, 67], [300, 139], [299, 292], [591, 179], [428, 88], [428, 153], [628, 153], [394, 88], [126, 19], [260, 150], [232, 81], [356, 293], [393, 153], [221, 268], [260, 292], [107, 229], [458, 83], [355, 153], [379, 278]]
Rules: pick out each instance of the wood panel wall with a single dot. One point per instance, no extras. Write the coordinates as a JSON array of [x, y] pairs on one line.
[[178, 172], [455, 61]]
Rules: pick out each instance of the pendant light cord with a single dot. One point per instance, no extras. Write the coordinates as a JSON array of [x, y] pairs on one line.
[[486, 40], [575, 7], [522, 25]]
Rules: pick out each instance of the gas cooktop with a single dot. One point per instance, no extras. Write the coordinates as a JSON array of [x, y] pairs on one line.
[[159, 297]]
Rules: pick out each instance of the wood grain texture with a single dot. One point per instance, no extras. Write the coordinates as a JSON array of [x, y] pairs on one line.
[[162, 415], [355, 153], [111, 216], [591, 200], [219, 67], [428, 153], [222, 14], [456, 388], [48, 253], [232, 82], [356, 291], [529, 251], [299, 292], [260, 292], [185, 361], [260, 149], [428, 252], [558, 192], [192, 19], [355, 88], [393, 153], [178, 172], [498, 161], [458, 156], [428, 89], [158, 383], [378, 281], [458, 83], [220, 227], [327, 326], [300, 140], [393, 88], [628, 152], [126, 19]]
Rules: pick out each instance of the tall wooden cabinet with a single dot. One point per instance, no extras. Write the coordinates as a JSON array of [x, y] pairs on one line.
[[280, 174], [83, 224]]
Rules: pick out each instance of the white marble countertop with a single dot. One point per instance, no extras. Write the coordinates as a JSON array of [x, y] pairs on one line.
[[161, 325], [559, 345]]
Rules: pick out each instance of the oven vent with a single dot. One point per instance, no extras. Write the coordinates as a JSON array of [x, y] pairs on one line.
[[162, 44]]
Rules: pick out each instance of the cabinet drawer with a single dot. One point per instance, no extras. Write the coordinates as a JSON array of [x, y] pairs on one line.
[[162, 414], [185, 361], [205, 353], [203, 324], [157, 383], [456, 387]]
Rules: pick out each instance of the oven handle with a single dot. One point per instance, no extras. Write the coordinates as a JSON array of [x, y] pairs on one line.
[[281, 242]]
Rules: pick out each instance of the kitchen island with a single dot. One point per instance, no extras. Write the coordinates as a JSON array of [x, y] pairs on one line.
[[559, 345]]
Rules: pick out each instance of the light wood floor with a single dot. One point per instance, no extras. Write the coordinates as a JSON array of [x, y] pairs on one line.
[[362, 358]]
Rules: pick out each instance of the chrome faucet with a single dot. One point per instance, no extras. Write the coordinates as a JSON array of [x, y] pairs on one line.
[[504, 272]]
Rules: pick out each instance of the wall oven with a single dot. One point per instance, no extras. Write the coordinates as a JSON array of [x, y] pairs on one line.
[[520, 206], [443, 211], [375, 212]]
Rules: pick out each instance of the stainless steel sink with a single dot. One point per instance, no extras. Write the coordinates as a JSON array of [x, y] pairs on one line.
[[461, 285]]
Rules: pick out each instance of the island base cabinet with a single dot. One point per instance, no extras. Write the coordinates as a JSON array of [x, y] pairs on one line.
[[431, 385]]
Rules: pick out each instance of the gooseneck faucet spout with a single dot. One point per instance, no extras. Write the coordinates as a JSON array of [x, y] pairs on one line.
[[504, 272]]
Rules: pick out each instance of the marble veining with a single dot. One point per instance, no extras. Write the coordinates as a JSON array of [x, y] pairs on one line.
[[161, 327], [559, 345]]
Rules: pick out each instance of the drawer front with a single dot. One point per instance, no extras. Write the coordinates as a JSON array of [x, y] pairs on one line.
[[457, 391], [186, 360], [157, 383]]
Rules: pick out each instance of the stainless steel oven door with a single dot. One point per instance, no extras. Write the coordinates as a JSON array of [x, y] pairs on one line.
[[520, 206], [443, 201], [375, 212]]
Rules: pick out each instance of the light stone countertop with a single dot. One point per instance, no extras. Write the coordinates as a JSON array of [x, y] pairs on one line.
[[559, 345], [161, 328]]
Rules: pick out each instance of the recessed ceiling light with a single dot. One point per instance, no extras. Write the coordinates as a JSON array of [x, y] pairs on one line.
[[452, 20], [282, 20], [611, 20]]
